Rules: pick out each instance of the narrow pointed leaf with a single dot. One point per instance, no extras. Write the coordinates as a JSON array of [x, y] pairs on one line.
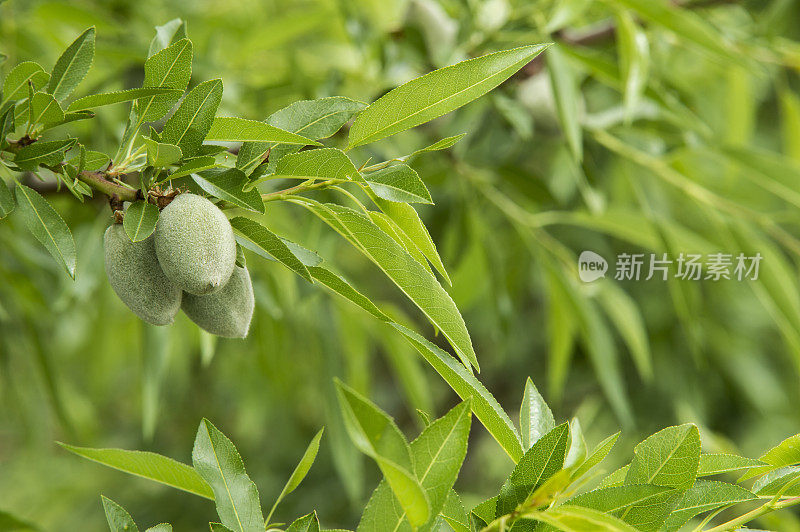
[[704, 496], [148, 465], [464, 383], [228, 184], [614, 499], [7, 201], [567, 96], [47, 226], [313, 119], [597, 455], [45, 109], [15, 86], [577, 519], [667, 458], [409, 275], [170, 68], [407, 220], [72, 66], [307, 523], [539, 463], [233, 129], [216, 459], [302, 468], [327, 163], [398, 183], [161, 153], [376, 435], [110, 98], [786, 453], [718, 463], [535, 417], [192, 166], [161, 527], [271, 243], [48, 152], [119, 520], [437, 93], [437, 455], [187, 128], [140, 220]]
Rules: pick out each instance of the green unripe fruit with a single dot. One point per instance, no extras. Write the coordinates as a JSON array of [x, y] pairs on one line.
[[195, 244], [135, 275], [226, 312]]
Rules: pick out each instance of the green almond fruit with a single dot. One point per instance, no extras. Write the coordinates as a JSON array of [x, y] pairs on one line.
[[195, 244], [135, 275], [226, 312]]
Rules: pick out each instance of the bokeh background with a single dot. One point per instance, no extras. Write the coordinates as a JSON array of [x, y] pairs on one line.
[[638, 134]]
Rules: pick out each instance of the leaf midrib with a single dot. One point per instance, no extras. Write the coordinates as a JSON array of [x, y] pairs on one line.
[[197, 112], [44, 225], [377, 132], [225, 481]]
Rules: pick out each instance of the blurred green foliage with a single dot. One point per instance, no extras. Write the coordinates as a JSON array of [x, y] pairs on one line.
[[640, 133]]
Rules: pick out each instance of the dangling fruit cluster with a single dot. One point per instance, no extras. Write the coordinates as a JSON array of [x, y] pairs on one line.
[[188, 263]]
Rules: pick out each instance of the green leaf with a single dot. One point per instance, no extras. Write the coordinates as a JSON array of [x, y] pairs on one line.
[[717, 463], [597, 456], [110, 98], [192, 166], [577, 519], [408, 221], [441, 144], [119, 520], [187, 128], [568, 97], [300, 471], [147, 465], [376, 435], [535, 417], [437, 93], [464, 383], [704, 496], [686, 24], [72, 66], [576, 453], [634, 58], [540, 462], [786, 453], [314, 119], [140, 220], [7, 202], [667, 458], [614, 499], [410, 276], [7, 125], [454, 514], [270, 243], [15, 86], [216, 459], [161, 153], [616, 478], [233, 129], [48, 152], [93, 160], [437, 456], [45, 109], [69, 117], [170, 68], [484, 513], [346, 290], [228, 184], [398, 183], [162, 527], [307, 523], [47, 226], [781, 482], [167, 34], [327, 163], [218, 527]]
